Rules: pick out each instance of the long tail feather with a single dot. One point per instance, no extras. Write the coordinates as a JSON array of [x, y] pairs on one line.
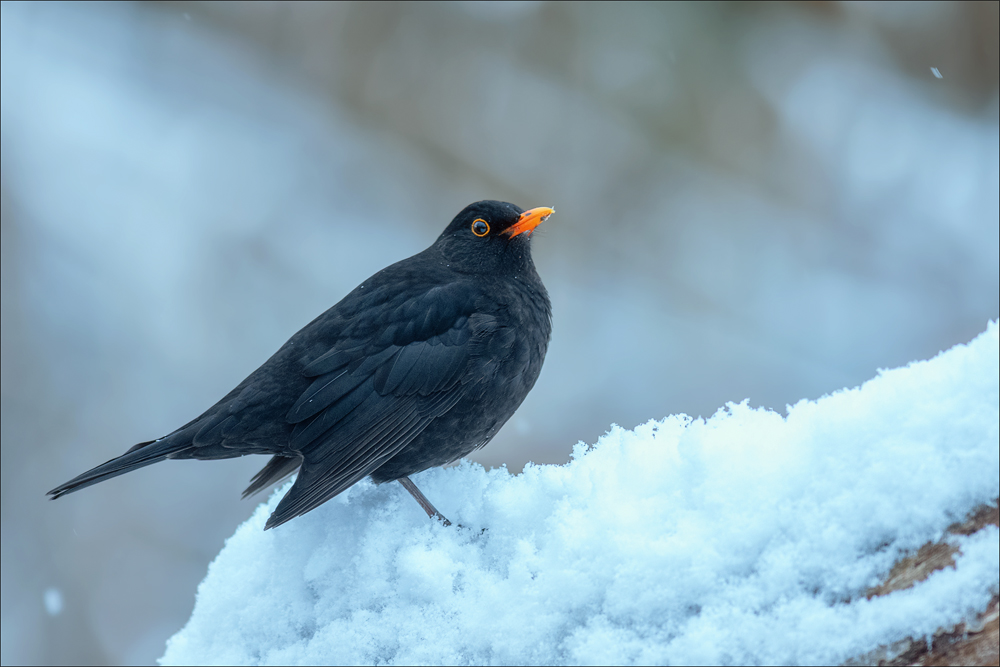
[[140, 456]]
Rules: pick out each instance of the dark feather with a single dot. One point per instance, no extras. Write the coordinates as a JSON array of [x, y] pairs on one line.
[[333, 360], [311, 430], [324, 391], [323, 476], [140, 456], [276, 469], [319, 482]]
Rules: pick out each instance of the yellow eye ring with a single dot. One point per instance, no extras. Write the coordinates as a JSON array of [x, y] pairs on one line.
[[480, 227]]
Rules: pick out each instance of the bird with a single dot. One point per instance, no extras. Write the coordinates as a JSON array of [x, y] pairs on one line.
[[417, 367]]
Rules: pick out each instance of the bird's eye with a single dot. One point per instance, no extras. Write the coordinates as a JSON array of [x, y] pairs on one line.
[[480, 227]]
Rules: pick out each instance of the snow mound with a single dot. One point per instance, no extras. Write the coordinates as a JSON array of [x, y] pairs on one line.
[[745, 538]]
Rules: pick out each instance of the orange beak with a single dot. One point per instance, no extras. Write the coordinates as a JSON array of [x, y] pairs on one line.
[[529, 220]]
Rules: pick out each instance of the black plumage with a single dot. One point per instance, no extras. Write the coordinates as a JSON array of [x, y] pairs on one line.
[[417, 367]]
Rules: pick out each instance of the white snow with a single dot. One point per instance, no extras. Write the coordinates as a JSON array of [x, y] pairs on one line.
[[745, 538]]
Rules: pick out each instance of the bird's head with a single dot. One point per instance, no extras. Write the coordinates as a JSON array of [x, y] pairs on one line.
[[491, 236]]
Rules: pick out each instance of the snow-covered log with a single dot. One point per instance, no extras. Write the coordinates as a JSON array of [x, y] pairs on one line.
[[749, 537]]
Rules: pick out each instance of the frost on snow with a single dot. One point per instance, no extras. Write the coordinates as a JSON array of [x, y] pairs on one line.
[[745, 538]]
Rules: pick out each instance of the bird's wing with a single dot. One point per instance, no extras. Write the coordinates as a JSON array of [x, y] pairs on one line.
[[393, 371]]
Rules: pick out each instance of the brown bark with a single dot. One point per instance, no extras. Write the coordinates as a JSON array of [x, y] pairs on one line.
[[976, 642]]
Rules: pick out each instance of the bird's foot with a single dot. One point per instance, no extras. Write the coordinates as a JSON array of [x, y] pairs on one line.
[[422, 500]]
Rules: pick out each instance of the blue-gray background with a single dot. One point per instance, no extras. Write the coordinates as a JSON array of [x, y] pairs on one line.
[[754, 201]]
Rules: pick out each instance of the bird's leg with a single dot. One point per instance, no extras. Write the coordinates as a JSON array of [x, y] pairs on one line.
[[422, 499]]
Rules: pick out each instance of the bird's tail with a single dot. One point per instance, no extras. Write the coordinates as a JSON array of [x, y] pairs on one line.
[[140, 456], [278, 468]]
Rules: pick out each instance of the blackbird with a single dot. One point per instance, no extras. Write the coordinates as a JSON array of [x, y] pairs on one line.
[[417, 367]]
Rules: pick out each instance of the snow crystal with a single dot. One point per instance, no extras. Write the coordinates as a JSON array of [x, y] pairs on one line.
[[53, 600], [744, 538]]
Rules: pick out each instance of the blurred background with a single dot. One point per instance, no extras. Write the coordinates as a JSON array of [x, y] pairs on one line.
[[762, 201]]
